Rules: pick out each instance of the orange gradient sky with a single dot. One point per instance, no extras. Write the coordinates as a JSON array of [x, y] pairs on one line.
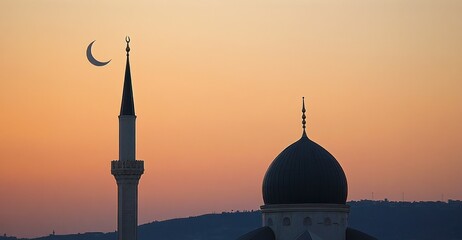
[[218, 87]]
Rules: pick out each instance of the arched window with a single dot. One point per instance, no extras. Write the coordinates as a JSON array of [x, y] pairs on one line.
[[286, 221], [307, 221], [269, 222], [327, 221]]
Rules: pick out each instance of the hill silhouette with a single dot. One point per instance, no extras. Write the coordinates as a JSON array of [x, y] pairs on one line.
[[382, 219]]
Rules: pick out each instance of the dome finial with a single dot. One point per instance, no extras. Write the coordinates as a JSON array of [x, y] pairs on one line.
[[303, 116], [127, 39]]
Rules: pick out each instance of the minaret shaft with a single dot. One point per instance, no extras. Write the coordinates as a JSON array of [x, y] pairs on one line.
[[127, 138], [127, 216]]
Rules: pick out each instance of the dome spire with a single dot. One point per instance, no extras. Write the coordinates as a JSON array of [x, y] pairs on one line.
[[303, 117]]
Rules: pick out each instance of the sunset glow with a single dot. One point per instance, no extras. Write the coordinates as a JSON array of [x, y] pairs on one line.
[[218, 88]]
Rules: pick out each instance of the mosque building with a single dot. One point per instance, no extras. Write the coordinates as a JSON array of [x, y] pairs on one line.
[[304, 188], [305, 192]]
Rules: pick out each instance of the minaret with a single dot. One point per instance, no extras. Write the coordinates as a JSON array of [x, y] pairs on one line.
[[127, 170]]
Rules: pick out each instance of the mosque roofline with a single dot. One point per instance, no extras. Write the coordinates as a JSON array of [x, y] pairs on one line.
[[305, 207]]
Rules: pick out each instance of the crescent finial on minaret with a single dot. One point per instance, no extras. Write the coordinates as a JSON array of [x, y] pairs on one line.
[[303, 116], [127, 39]]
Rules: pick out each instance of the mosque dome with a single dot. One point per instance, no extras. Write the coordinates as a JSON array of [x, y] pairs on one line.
[[305, 172]]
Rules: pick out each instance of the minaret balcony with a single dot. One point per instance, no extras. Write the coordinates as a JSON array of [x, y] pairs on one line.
[[127, 167]]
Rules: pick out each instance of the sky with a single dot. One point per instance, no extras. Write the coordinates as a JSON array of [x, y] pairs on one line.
[[218, 88]]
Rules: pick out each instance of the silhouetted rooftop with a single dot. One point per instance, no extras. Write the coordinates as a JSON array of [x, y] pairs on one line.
[[263, 233], [353, 234]]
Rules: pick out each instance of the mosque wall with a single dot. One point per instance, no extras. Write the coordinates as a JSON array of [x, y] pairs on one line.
[[327, 221]]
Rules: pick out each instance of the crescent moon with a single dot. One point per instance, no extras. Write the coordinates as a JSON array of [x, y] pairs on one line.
[[91, 59]]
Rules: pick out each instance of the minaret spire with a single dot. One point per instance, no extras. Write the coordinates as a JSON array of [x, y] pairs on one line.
[[128, 106], [303, 117]]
